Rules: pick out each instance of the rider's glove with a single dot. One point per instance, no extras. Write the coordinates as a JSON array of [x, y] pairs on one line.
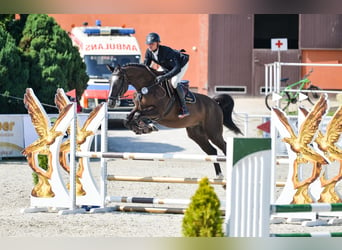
[[160, 79]]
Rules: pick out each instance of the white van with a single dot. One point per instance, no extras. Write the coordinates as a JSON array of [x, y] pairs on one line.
[[99, 46]]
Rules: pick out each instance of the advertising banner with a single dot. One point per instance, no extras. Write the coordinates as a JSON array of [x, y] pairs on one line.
[[17, 132], [11, 135]]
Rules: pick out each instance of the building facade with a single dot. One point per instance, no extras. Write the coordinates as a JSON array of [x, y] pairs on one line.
[[228, 52]]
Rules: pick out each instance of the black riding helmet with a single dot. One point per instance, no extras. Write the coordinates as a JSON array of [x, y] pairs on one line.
[[152, 37]]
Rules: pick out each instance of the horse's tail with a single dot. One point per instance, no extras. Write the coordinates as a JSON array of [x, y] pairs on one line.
[[226, 103]]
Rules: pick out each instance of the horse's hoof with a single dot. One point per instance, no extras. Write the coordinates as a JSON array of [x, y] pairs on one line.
[[146, 130], [152, 127], [136, 116]]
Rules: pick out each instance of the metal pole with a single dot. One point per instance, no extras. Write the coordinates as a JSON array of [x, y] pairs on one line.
[[72, 190], [267, 90], [104, 146]]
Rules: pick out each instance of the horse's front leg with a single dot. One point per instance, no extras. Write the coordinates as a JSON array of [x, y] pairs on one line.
[[130, 120], [150, 112], [131, 115], [137, 124], [142, 121]]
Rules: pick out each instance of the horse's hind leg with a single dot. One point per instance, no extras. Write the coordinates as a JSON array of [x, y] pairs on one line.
[[198, 135], [217, 139]]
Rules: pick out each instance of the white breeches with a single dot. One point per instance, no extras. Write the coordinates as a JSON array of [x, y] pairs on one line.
[[177, 78]]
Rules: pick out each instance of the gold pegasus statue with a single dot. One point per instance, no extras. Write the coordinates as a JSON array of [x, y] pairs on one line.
[[327, 143], [46, 136], [305, 153], [61, 101]]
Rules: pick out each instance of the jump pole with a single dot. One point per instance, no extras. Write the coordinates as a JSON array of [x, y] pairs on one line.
[[145, 200], [313, 207], [179, 180], [313, 234], [164, 179], [152, 156], [158, 210]]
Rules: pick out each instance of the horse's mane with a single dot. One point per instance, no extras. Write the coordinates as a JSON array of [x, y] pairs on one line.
[[141, 65]]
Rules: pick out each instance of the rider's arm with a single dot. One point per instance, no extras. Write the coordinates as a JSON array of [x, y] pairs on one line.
[[170, 60], [148, 58], [175, 70]]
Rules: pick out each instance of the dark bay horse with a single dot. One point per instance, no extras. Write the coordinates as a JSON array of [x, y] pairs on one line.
[[156, 102]]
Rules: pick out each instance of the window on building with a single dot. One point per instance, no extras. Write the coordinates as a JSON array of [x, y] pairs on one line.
[[270, 26]]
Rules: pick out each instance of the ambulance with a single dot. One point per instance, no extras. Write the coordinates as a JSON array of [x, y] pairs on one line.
[[99, 46]]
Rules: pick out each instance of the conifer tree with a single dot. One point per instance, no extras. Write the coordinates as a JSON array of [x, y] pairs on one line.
[[36, 52], [13, 75], [54, 62], [203, 216]]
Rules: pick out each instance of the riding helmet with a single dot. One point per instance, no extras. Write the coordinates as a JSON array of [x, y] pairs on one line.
[[152, 37]]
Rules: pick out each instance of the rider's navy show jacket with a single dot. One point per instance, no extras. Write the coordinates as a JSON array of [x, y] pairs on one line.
[[170, 59]]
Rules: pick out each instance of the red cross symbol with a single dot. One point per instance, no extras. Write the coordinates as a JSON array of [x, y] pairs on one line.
[[279, 44]]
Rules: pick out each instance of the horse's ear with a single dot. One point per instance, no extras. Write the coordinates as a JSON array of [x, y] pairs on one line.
[[110, 68]]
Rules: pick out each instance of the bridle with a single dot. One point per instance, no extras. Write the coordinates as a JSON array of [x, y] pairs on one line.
[[125, 79], [140, 92]]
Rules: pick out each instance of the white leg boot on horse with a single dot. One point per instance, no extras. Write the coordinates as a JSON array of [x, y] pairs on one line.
[[181, 97]]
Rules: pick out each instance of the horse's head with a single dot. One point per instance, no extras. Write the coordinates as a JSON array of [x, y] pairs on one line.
[[118, 85]]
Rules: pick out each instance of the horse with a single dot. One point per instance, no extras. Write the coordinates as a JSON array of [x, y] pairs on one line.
[[157, 102]]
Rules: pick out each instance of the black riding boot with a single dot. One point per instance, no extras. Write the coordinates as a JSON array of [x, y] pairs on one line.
[[181, 95]]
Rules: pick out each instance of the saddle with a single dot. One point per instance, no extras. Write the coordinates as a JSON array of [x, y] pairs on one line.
[[189, 96]]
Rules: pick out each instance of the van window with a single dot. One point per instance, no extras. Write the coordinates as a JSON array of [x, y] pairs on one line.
[[97, 64]]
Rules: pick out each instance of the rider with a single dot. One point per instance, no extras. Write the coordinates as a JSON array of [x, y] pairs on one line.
[[175, 62]]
